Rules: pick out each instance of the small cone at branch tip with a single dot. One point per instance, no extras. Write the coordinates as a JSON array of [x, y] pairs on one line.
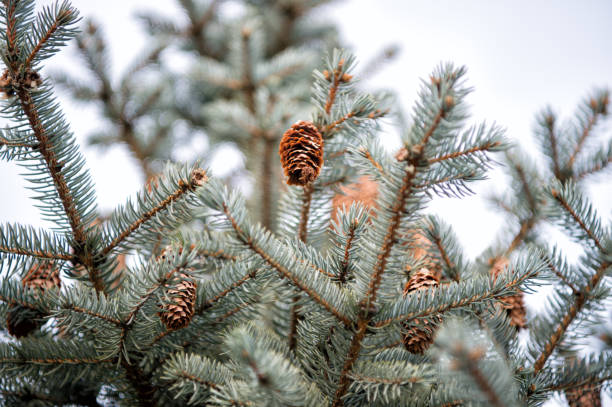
[[587, 395], [449, 102], [513, 304], [22, 321], [419, 333], [198, 177], [301, 153], [178, 311]]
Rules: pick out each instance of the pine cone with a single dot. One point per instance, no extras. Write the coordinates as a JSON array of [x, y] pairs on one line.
[[419, 333], [177, 313], [42, 276], [513, 304], [301, 152], [22, 321], [584, 396]]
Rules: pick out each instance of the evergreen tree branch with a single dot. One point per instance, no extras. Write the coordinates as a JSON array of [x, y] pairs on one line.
[[563, 202], [25, 241], [576, 307], [556, 272], [11, 34], [336, 78], [552, 137], [12, 143], [198, 178], [46, 150], [81, 310], [267, 179], [252, 245], [347, 251], [476, 149], [20, 301], [63, 16], [37, 253], [586, 131], [306, 201], [45, 147], [212, 301], [443, 299], [54, 361], [389, 240], [372, 161]]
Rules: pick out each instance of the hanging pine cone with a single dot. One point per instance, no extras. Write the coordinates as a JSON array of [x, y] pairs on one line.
[[301, 152], [419, 333], [177, 313], [22, 321], [584, 396], [513, 304]]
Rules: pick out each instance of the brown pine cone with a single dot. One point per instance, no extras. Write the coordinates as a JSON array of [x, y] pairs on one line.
[[419, 333], [43, 276], [22, 321], [513, 304], [301, 152], [179, 310], [584, 396]]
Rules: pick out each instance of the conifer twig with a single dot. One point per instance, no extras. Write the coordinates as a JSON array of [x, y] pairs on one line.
[[282, 270], [444, 255], [389, 241], [331, 97], [581, 297], [579, 302], [308, 190], [212, 301], [183, 188], [347, 249], [43, 254], [56, 24], [586, 131], [80, 310], [476, 149], [54, 167], [552, 136]]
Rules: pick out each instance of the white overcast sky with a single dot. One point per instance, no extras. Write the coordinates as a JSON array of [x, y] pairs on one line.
[[521, 55]]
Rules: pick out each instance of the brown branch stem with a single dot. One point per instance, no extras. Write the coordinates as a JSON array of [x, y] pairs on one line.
[[465, 152], [37, 253], [183, 188], [347, 249], [55, 170]]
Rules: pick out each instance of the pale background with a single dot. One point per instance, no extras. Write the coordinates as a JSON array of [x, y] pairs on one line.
[[521, 56]]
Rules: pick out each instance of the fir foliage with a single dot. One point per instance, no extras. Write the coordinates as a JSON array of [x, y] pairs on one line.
[[280, 305]]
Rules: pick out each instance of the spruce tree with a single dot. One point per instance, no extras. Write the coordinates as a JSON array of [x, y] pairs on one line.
[[344, 293]]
